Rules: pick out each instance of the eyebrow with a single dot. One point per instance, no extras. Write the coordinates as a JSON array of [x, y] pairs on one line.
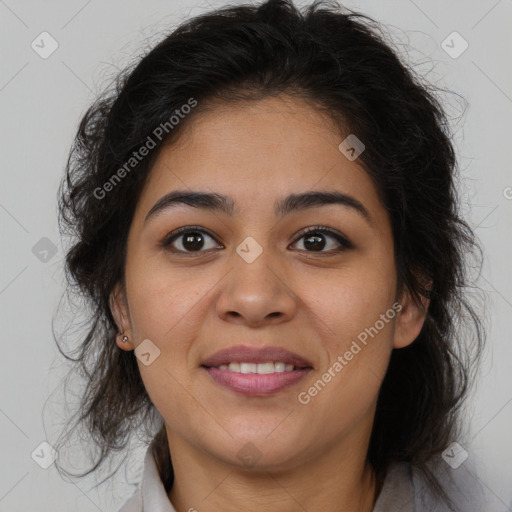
[[284, 206]]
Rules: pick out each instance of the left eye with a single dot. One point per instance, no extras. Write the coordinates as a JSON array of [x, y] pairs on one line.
[[192, 239], [314, 237]]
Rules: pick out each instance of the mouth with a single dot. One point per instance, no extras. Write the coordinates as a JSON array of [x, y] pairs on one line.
[[256, 371]]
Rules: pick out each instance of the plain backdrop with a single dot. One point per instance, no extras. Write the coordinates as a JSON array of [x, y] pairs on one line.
[[41, 102]]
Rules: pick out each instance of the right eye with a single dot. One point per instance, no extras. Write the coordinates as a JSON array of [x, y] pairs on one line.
[[190, 239]]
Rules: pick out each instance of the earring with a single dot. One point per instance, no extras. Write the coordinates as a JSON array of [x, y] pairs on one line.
[[124, 339]]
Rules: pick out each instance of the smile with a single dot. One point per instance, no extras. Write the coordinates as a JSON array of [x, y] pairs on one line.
[[256, 383], [260, 368]]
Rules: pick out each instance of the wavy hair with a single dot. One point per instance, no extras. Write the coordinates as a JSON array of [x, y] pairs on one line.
[[340, 62]]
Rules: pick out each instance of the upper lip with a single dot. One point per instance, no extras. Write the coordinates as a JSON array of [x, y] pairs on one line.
[[248, 354]]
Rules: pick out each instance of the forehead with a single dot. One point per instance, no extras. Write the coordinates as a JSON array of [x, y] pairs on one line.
[[258, 152]]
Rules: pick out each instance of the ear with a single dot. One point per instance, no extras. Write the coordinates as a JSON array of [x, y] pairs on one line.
[[119, 309], [410, 320]]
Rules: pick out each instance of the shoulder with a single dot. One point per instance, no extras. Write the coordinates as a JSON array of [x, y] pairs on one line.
[[406, 489], [462, 486], [150, 495], [134, 503]]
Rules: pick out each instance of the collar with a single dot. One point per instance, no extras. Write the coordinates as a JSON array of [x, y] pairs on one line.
[[397, 492]]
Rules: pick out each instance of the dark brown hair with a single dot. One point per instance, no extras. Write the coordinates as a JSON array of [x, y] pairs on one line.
[[339, 61]]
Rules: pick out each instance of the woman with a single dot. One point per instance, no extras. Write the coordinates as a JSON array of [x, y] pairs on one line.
[[268, 235]]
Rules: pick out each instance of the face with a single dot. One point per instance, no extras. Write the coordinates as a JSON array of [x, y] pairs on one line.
[[249, 277]]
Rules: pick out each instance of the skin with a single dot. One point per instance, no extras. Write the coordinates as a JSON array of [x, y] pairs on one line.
[[311, 457]]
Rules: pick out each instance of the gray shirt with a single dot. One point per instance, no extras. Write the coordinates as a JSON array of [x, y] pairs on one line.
[[404, 490]]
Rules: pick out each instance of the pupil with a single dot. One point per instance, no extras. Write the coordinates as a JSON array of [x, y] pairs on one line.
[[189, 242], [319, 243]]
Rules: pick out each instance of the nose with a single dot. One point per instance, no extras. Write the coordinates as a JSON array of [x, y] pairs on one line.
[[256, 293]]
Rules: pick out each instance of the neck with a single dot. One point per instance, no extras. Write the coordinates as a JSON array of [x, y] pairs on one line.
[[338, 479]]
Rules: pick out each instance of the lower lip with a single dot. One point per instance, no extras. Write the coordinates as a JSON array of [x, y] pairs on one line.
[[254, 383]]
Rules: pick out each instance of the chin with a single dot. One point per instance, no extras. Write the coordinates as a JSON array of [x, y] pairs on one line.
[[260, 452]]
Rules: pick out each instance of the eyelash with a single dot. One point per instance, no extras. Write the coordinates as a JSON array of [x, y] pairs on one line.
[[341, 239]]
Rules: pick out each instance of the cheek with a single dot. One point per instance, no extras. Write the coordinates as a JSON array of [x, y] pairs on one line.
[[167, 306], [344, 391], [355, 313], [164, 307], [348, 302], [164, 301]]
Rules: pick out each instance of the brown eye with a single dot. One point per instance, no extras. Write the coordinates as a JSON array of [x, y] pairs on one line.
[[189, 239], [193, 239], [315, 240]]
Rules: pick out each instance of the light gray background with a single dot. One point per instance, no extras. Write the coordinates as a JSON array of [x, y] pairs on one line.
[[41, 101]]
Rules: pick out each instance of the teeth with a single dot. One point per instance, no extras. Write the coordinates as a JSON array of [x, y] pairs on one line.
[[281, 367], [265, 368], [248, 367], [261, 368]]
